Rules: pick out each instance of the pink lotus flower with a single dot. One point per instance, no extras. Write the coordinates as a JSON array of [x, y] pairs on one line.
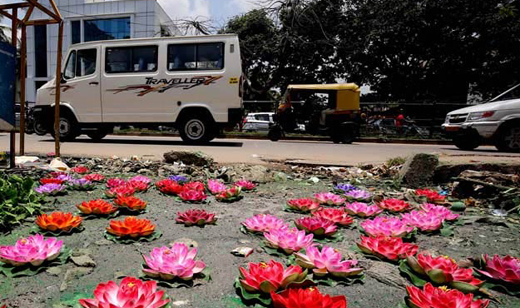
[[195, 217], [141, 178], [264, 223], [269, 277], [362, 209], [94, 177], [245, 185], [289, 240], [337, 216], [115, 182], [316, 225], [192, 196], [216, 187], [329, 199], [34, 250], [386, 226], [439, 211], [424, 221], [432, 297], [131, 293], [327, 261], [506, 269], [303, 205], [383, 247], [394, 205], [431, 196], [175, 262]]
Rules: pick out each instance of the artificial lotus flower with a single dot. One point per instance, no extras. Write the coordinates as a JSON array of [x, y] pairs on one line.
[[327, 261], [394, 205], [264, 223], [51, 181], [344, 188], [362, 209], [120, 191], [175, 262], [193, 196], [431, 196], [289, 240], [386, 226], [131, 293], [337, 216], [81, 184], [307, 298], [316, 225], [432, 297], [51, 189], [329, 199], [94, 177], [178, 178], [269, 277], [79, 170], [58, 222], [195, 217], [131, 227], [440, 211], [216, 186], [303, 205], [169, 187], [230, 194], [138, 186], [64, 177], [245, 185], [506, 269], [358, 195], [424, 221], [55, 174], [384, 247], [4, 306], [140, 178], [115, 182], [443, 270], [130, 203], [32, 250], [96, 207], [198, 186]]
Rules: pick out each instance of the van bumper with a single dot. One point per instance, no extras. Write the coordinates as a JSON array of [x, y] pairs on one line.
[[485, 130]]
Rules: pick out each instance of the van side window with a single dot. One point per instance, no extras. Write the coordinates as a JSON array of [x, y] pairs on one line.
[[131, 59], [206, 56], [86, 62], [70, 68]]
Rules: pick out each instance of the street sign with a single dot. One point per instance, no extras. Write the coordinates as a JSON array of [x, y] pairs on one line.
[[7, 86]]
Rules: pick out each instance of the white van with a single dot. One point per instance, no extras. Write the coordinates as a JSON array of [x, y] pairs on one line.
[[192, 83]]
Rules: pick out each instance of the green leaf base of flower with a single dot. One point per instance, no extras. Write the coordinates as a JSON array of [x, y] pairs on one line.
[[198, 280], [252, 298], [129, 240], [38, 230]]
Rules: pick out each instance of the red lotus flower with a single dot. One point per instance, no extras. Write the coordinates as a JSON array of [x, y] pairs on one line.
[[96, 207], [94, 177], [139, 186], [115, 182], [431, 196], [394, 205], [131, 227], [56, 174], [58, 221], [337, 216], [4, 306], [307, 298], [169, 187], [195, 217], [303, 205], [506, 269], [131, 203], [432, 297], [51, 181], [192, 195], [316, 225], [231, 194], [120, 191], [79, 170], [245, 185], [391, 248], [269, 277], [198, 186]]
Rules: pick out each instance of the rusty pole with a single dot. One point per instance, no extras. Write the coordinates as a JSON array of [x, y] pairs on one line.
[[58, 92], [14, 37], [23, 54]]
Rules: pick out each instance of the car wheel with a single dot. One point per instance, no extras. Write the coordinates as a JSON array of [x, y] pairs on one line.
[[466, 142], [509, 139], [274, 134], [196, 129], [67, 128]]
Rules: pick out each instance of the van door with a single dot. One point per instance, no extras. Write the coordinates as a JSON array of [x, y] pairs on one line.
[[81, 84]]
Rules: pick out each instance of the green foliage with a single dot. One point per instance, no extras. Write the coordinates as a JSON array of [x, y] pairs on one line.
[[18, 200], [395, 161]]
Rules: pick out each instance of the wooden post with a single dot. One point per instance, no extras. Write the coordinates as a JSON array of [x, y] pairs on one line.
[[14, 37], [58, 92], [23, 54]]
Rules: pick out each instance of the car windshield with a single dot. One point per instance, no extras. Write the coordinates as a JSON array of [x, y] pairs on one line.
[[512, 93]]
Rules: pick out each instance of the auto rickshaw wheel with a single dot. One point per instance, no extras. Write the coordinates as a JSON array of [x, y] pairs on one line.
[[343, 134]]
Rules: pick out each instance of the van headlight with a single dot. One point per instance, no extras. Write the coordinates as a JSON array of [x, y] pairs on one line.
[[475, 116]]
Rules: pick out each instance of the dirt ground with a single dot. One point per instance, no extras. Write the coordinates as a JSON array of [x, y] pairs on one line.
[[215, 244]]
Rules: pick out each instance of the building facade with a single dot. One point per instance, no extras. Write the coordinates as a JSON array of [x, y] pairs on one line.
[[90, 20]]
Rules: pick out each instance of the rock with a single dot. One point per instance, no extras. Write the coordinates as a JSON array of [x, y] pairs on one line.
[[242, 251], [83, 261], [103, 242], [244, 241], [72, 274], [418, 171], [386, 273], [188, 241], [188, 157], [81, 251], [256, 173], [54, 271]]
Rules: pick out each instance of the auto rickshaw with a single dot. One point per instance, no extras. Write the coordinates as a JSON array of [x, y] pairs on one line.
[[339, 119]]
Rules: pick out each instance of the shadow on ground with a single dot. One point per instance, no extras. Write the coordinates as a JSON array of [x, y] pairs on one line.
[[153, 142]]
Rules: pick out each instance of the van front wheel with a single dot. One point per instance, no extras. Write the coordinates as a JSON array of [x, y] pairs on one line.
[[196, 129], [67, 128]]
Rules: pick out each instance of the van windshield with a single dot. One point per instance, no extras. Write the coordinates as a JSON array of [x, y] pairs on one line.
[[512, 93]]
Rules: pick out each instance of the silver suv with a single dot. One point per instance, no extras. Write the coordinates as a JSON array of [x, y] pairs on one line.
[[497, 121]]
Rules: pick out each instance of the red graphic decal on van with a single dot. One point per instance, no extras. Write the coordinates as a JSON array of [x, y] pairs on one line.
[[64, 88], [163, 85]]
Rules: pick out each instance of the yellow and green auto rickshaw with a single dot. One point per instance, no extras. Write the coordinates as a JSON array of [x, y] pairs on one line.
[[323, 109]]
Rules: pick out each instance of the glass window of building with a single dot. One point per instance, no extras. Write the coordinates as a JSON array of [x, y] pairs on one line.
[[106, 29], [86, 62], [208, 56], [76, 31], [40, 43], [131, 59]]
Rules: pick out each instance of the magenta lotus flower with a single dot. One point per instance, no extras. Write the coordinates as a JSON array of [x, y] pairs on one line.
[[115, 182], [51, 189], [175, 262], [141, 178], [303, 205], [362, 209], [424, 221], [327, 261], [34, 250], [81, 184], [386, 226], [269, 277], [131, 293], [289, 240], [264, 223], [245, 185], [216, 187], [440, 211], [506, 269], [358, 195], [316, 225], [329, 199]]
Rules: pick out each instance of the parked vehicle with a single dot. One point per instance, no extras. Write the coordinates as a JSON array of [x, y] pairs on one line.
[[255, 122], [191, 83], [497, 121]]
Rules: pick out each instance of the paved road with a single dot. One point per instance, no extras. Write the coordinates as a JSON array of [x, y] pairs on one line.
[[256, 151]]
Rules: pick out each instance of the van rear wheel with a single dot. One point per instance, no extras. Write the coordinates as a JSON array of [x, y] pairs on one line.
[[196, 129], [98, 134]]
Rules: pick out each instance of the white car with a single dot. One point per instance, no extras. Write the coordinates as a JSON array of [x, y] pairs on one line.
[[260, 121], [497, 121]]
